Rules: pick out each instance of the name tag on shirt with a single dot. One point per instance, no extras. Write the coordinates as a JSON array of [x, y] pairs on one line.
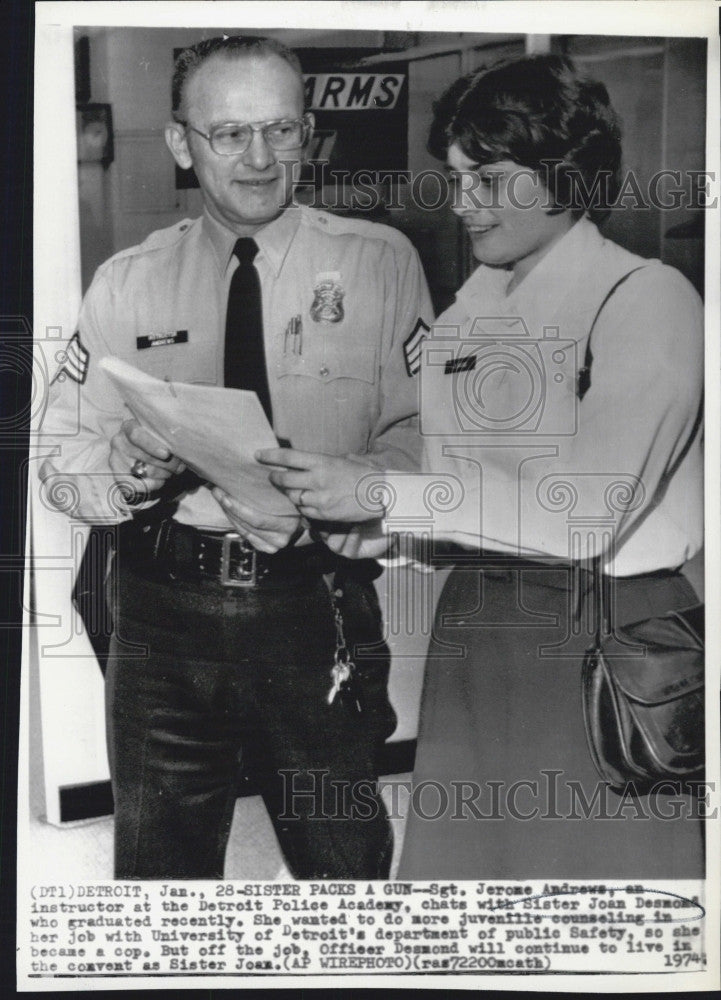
[[466, 364], [161, 339]]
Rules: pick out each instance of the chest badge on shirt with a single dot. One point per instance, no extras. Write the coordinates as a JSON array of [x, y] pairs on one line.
[[327, 298], [161, 339]]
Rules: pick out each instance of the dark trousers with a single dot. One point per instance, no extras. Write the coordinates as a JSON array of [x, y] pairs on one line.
[[202, 679]]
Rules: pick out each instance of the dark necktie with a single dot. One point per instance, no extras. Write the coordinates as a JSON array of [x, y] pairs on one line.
[[244, 348]]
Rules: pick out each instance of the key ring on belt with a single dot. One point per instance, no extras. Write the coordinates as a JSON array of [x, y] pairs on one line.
[[343, 669]]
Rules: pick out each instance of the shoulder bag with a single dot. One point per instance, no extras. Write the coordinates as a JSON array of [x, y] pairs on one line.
[[643, 684]]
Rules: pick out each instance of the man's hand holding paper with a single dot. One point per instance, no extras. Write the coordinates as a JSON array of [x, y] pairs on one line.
[[214, 431], [134, 443]]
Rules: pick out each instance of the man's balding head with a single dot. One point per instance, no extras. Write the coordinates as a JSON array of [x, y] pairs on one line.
[[224, 47]]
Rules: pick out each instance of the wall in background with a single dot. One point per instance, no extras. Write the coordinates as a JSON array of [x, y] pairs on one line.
[[131, 68], [657, 85]]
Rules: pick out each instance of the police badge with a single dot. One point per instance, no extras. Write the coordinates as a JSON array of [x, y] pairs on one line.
[[328, 298]]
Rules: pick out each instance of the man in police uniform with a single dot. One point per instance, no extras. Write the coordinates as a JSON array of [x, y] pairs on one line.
[[225, 627]]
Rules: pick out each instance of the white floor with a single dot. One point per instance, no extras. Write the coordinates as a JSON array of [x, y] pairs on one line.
[[83, 851]]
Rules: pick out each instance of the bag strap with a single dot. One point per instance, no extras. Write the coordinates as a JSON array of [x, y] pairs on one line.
[[584, 373], [600, 588], [599, 580]]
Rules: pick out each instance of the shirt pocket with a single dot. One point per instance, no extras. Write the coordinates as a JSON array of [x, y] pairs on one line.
[[328, 394], [327, 361]]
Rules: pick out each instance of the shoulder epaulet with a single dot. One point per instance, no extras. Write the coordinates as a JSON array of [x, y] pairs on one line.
[[157, 240], [343, 225]]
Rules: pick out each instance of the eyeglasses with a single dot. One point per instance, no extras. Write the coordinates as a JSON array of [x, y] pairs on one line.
[[233, 138]]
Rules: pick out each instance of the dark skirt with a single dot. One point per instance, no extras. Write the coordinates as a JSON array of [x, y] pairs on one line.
[[504, 786]]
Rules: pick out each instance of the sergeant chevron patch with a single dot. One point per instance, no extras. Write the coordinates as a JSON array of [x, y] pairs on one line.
[[412, 347], [74, 361]]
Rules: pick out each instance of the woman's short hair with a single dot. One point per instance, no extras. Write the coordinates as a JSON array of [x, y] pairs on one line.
[[229, 47], [540, 113]]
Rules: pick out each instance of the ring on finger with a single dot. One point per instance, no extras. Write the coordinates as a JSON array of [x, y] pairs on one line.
[[139, 469]]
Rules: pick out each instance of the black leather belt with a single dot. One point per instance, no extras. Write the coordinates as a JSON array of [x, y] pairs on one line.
[[174, 551]]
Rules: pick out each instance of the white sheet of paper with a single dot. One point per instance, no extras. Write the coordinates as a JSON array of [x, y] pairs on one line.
[[215, 431]]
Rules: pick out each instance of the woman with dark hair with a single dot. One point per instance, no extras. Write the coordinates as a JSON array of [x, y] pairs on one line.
[[561, 394]]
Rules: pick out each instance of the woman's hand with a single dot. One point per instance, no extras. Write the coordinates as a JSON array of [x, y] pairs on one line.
[[323, 487], [266, 532]]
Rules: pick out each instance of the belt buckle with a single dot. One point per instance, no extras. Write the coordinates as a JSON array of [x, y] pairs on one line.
[[246, 575]]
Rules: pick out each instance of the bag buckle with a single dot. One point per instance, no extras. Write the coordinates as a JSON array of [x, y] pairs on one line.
[[244, 574]]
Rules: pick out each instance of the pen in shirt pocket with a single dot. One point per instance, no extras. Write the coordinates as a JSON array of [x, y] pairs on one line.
[[294, 330]]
